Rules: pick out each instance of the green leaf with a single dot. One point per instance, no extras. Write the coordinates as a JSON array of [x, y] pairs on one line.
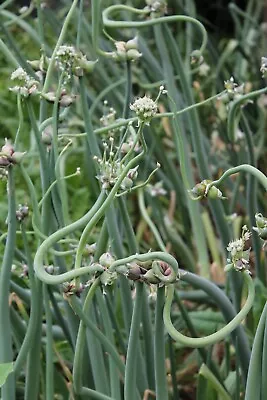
[[254, 386], [5, 370], [213, 381]]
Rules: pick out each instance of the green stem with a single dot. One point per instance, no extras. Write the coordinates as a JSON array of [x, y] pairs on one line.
[[5, 4], [49, 362], [128, 93], [8, 55], [149, 221], [35, 308], [206, 372], [103, 207], [108, 346], [79, 348], [123, 122], [253, 388], [79, 24], [6, 353], [131, 367], [33, 370], [252, 204], [91, 138], [181, 141], [60, 40], [41, 150], [114, 379], [215, 337], [54, 238], [240, 168], [159, 346], [20, 114], [40, 22], [149, 22], [93, 394], [231, 123]]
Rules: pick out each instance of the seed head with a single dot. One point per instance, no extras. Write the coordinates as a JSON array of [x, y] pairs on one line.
[[145, 109], [263, 68]]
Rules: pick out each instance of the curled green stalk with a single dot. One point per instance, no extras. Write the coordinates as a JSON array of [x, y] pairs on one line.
[[217, 336], [89, 220], [112, 194], [110, 23], [54, 238], [231, 123], [240, 168]]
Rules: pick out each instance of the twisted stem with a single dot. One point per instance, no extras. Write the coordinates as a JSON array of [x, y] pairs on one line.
[[217, 336]]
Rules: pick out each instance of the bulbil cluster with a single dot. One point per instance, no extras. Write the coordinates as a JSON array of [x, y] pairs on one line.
[[127, 51], [261, 226], [203, 189], [22, 212], [8, 155]]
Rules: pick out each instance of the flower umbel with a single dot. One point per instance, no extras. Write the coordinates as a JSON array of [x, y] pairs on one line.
[[157, 189], [263, 68], [239, 256], [145, 109], [157, 8], [23, 83]]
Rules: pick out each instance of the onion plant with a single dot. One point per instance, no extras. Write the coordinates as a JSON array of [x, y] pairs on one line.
[[134, 237]]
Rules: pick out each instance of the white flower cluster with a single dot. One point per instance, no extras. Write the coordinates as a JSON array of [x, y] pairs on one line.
[[145, 109], [230, 85], [156, 8], [233, 89], [263, 68], [66, 54], [72, 61], [234, 92], [236, 248], [157, 189], [23, 83], [109, 117], [20, 74]]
